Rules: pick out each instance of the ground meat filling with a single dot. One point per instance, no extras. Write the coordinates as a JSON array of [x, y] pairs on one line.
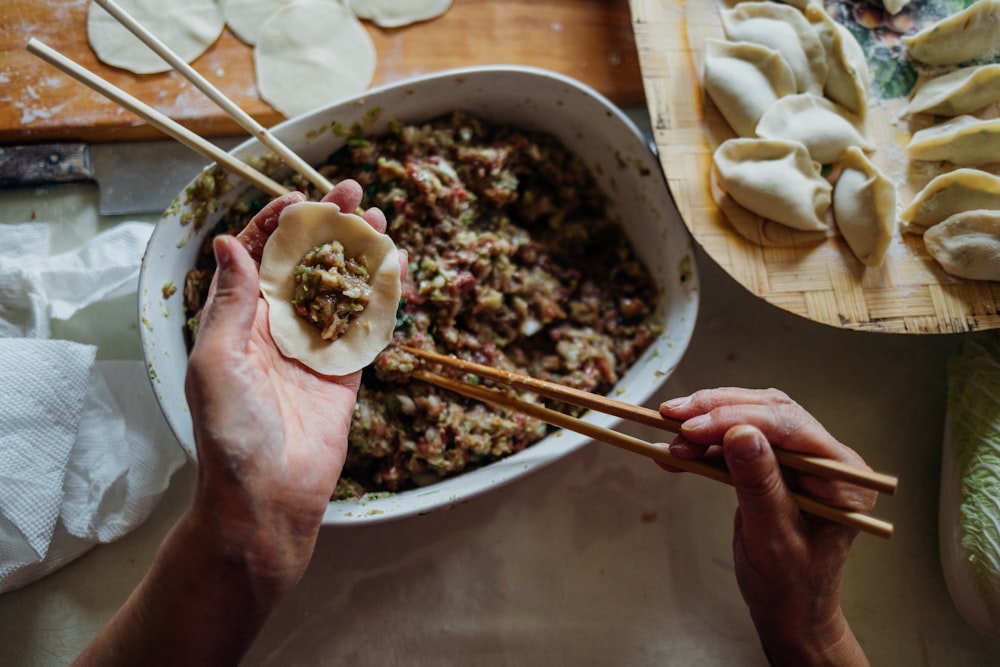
[[514, 262], [331, 289]]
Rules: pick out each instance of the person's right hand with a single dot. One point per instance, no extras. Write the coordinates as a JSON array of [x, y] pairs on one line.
[[789, 565]]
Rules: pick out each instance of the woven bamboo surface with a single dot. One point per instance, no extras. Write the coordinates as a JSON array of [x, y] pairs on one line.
[[821, 281]]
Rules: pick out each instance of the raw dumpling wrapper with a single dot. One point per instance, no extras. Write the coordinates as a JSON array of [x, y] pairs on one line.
[[784, 29], [847, 69], [960, 92], [824, 128], [311, 53], [967, 244], [972, 33], [965, 141], [245, 17], [397, 13], [951, 193], [864, 207], [301, 228], [188, 27], [776, 180], [744, 79]]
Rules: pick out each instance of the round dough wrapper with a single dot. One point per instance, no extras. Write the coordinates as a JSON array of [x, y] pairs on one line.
[[311, 53], [245, 17], [395, 14], [301, 228], [188, 27]]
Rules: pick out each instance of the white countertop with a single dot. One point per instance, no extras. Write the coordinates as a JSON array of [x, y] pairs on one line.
[[599, 559]]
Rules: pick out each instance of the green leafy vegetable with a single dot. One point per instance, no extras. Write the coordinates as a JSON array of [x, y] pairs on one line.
[[971, 479]]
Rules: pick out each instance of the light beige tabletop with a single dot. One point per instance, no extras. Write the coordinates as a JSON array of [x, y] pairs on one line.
[[599, 559]]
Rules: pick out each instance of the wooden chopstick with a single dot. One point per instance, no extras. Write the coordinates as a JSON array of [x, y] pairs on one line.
[[857, 520], [245, 120], [812, 464], [155, 118]]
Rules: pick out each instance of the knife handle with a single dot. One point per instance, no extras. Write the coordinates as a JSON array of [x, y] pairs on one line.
[[44, 164]]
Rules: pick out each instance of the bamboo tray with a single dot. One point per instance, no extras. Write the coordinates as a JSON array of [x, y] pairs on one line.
[[823, 281]]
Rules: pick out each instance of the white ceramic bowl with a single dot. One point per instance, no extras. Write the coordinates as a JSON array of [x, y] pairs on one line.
[[584, 121]]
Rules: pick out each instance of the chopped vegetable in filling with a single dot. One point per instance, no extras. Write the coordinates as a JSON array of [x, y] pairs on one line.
[[330, 289]]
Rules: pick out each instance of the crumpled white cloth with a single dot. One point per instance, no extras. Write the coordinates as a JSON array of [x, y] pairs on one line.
[[85, 452]]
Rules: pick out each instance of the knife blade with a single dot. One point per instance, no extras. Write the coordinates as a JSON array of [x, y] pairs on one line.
[[132, 178]]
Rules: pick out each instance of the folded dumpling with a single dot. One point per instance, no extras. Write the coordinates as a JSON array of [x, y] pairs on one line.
[[960, 92], [744, 79], [353, 258], [972, 33], [847, 75], [760, 230], [826, 129], [782, 28], [965, 141], [967, 244], [776, 180], [951, 193], [864, 207]]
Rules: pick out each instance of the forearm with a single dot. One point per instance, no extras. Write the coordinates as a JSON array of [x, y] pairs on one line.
[[203, 601], [828, 645]]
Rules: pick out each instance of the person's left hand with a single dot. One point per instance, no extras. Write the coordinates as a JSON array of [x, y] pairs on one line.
[[271, 434], [271, 438]]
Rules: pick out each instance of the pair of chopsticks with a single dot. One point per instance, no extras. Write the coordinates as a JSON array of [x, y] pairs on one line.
[[174, 129], [812, 464]]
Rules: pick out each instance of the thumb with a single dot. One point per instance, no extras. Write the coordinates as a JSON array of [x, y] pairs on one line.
[[229, 314], [766, 504]]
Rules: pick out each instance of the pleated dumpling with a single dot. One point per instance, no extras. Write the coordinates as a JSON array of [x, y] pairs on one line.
[[965, 141], [960, 92], [847, 75], [967, 244], [776, 180], [864, 207], [760, 230], [826, 129], [782, 28], [302, 228], [951, 193], [744, 79], [972, 33]]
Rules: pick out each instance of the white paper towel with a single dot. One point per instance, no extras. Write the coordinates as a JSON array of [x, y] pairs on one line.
[[85, 452]]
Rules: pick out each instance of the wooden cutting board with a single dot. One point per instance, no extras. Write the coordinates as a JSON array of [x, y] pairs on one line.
[[823, 282], [590, 40]]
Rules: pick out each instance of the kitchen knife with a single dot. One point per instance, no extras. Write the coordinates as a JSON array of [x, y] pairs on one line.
[[132, 178]]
